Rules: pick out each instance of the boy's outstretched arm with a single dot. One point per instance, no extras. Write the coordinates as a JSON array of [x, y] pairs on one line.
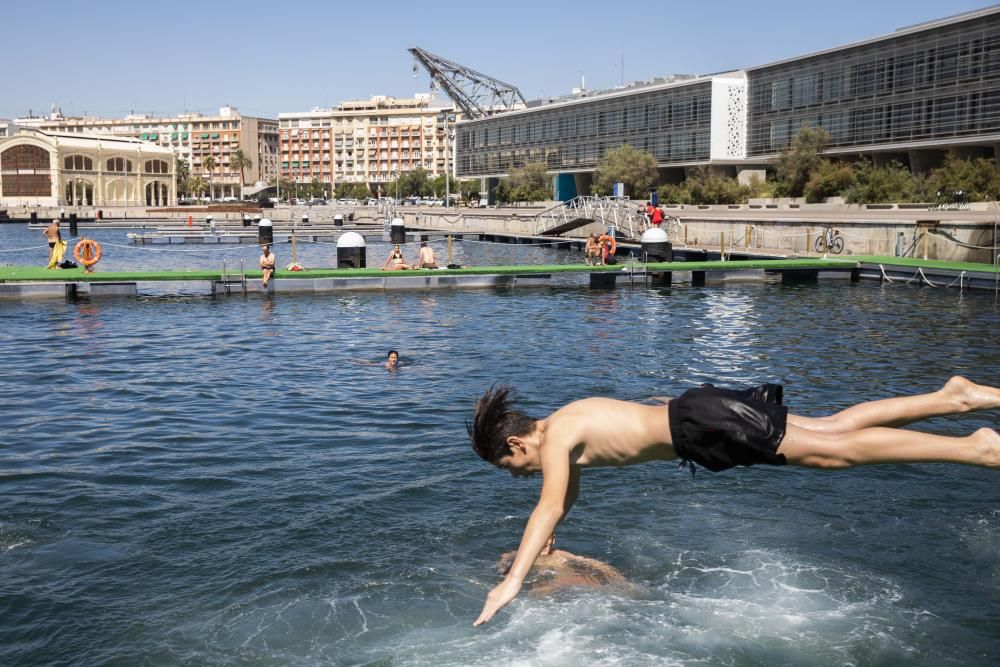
[[560, 485]]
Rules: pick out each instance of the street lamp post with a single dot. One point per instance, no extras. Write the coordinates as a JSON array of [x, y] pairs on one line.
[[447, 119]]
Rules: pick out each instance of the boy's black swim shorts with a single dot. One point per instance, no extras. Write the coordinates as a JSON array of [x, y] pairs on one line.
[[721, 428]]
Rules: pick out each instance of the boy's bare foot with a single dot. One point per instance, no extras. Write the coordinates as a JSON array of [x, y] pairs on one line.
[[969, 396], [986, 442]]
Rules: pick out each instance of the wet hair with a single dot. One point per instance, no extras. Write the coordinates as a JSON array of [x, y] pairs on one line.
[[392, 352], [493, 421]]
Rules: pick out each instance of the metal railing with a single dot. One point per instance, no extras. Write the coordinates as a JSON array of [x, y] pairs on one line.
[[608, 211]]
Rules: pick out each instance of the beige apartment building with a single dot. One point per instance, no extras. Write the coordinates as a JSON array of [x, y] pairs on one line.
[[192, 137], [367, 141]]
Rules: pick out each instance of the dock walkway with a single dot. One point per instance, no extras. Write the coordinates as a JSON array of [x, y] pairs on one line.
[[37, 282]]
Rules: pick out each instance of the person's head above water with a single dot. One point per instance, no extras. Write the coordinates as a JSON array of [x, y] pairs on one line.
[[495, 425], [392, 358]]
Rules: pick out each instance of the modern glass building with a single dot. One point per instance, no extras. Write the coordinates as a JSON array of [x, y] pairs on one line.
[[934, 85], [911, 95], [673, 121]]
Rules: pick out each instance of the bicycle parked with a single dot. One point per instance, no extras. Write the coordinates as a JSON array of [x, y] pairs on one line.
[[830, 241]]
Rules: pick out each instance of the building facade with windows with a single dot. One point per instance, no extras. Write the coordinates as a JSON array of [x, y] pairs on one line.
[[908, 95], [912, 96], [40, 168], [193, 137], [368, 142]]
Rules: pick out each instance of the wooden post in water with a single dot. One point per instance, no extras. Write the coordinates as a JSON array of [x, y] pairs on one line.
[[746, 237], [722, 246], [927, 241], [449, 250]]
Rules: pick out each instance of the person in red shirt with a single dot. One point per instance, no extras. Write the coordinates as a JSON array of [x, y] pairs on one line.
[[657, 218]]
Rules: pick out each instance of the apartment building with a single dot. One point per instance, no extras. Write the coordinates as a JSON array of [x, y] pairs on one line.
[[366, 141], [193, 137]]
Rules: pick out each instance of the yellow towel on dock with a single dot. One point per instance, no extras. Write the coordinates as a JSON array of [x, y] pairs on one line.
[[56, 254]]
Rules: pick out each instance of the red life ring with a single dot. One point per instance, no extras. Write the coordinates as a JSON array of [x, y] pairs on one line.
[[608, 241], [87, 252]]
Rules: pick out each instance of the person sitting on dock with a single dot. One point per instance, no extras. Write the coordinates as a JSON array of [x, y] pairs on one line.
[[396, 261], [592, 251], [556, 569], [606, 243], [267, 263], [715, 428], [57, 247], [426, 259]]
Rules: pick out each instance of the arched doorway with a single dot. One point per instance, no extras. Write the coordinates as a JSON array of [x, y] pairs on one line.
[[157, 194], [79, 192]]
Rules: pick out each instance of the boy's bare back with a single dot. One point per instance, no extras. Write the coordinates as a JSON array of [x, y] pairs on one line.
[[607, 432]]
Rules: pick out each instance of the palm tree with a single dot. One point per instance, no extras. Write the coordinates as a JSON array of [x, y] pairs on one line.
[[182, 173], [241, 162], [197, 185], [208, 164]]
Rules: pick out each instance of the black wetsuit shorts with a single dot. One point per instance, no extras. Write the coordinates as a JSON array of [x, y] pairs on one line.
[[721, 428]]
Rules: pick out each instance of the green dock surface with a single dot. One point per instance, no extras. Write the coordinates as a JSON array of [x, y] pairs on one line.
[[38, 274], [41, 274]]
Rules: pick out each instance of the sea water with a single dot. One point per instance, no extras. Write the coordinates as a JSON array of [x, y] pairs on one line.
[[196, 480]]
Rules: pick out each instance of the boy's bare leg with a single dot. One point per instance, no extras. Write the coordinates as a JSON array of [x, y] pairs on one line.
[[814, 449], [957, 396]]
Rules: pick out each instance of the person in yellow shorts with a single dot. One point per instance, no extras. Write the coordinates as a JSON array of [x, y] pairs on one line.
[[57, 247]]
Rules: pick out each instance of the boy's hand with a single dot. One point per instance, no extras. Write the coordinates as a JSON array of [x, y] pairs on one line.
[[503, 593]]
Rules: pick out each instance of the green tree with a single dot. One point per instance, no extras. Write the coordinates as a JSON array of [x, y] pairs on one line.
[[208, 164], [361, 191], [829, 179], [182, 172], [978, 178], [240, 161], [797, 162], [197, 186], [414, 183], [469, 189], [708, 186], [626, 164], [502, 191], [890, 183], [285, 186], [530, 183]]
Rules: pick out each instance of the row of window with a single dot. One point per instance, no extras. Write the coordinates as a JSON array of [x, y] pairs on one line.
[[115, 164], [943, 117]]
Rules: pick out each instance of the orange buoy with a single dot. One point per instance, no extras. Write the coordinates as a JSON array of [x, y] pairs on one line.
[[190, 220], [88, 253]]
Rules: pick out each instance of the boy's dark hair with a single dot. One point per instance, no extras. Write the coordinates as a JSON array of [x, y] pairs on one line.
[[494, 421], [390, 353]]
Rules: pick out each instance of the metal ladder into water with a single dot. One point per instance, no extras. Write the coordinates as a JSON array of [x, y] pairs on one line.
[[229, 279]]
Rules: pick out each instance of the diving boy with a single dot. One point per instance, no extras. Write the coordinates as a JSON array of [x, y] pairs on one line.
[[716, 428]]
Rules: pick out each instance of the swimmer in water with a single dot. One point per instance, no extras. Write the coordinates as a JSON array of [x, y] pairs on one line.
[[556, 569], [392, 360], [715, 428]]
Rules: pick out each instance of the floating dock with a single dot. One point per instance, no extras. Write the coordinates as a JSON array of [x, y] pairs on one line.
[[37, 282]]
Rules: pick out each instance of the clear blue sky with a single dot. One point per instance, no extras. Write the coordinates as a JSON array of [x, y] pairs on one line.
[[111, 57]]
